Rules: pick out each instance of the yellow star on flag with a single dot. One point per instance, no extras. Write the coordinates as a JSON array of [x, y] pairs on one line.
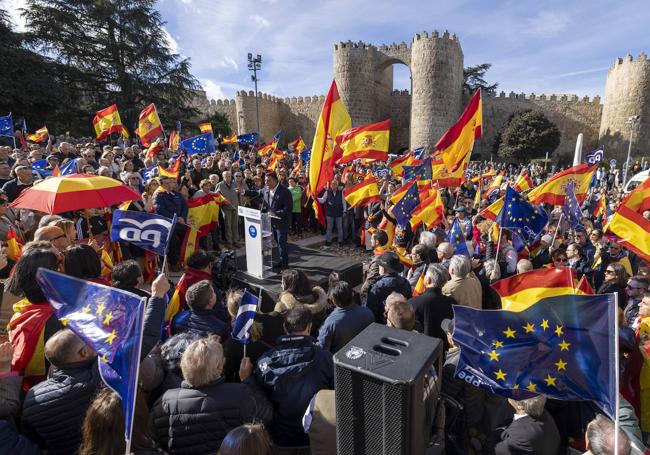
[[532, 387], [561, 365], [100, 309], [497, 344], [494, 355], [108, 317], [544, 324], [529, 328], [509, 333], [103, 358], [558, 330], [111, 337], [515, 387], [500, 375], [550, 380], [564, 346], [86, 309], [64, 321]]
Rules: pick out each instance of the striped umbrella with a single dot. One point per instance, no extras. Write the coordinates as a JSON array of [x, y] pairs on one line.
[[74, 192]]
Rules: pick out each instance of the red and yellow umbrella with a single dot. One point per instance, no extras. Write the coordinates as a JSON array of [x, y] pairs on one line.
[[74, 192]]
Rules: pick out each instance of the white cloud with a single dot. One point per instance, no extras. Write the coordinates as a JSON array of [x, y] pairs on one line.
[[547, 23], [212, 89], [173, 44], [260, 21], [228, 62]]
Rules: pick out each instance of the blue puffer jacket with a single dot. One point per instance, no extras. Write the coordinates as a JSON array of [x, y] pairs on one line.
[[291, 374], [202, 322], [169, 204], [382, 288]]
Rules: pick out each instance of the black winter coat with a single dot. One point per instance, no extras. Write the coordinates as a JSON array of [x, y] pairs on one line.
[[391, 282], [431, 307], [195, 420]]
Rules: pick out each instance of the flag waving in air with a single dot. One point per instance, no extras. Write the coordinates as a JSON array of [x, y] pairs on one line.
[[149, 126], [39, 135], [362, 193], [106, 122], [520, 216], [629, 224], [298, 145], [523, 182], [146, 230], [368, 141], [241, 328], [553, 191], [203, 143]]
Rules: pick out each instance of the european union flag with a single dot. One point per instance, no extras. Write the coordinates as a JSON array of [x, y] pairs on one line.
[[150, 173], [146, 230], [457, 238], [40, 167], [250, 138], [561, 347], [423, 171], [6, 126], [305, 155], [522, 217], [70, 167], [571, 207], [241, 329], [276, 136], [403, 209], [203, 143], [418, 153]]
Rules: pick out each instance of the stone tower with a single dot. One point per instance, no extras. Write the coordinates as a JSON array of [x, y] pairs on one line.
[[364, 75], [627, 93]]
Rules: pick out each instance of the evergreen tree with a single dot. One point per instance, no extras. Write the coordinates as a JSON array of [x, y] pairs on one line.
[[527, 134], [474, 78], [120, 53]]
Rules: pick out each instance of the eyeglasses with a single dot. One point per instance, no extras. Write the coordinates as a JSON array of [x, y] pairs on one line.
[[611, 272], [561, 260]]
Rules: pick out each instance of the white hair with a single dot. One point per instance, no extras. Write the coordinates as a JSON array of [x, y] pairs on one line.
[[202, 362], [524, 265], [428, 239], [459, 266]]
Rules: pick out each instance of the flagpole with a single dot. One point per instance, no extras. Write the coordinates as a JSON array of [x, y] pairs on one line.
[[496, 257], [617, 401], [557, 228], [127, 450]]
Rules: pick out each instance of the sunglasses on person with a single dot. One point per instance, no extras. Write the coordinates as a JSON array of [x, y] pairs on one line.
[[561, 260]]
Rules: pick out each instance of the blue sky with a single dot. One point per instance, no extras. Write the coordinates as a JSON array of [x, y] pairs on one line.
[[535, 47]]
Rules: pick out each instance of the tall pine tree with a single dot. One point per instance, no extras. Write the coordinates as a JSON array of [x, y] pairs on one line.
[[120, 51]]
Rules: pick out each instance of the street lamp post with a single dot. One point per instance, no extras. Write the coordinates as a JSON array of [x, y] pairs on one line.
[[254, 65], [631, 121]]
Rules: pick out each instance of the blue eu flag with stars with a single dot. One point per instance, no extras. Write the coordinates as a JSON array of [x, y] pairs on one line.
[[522, 217], [457, 238], [250, 138], [203, 143], [403, 209], [6, 126], [305, 155], [562, 347], [423, 171], [571, 207]]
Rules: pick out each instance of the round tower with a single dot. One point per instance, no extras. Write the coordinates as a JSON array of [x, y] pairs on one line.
[[437, 75], [627, 93], [354, 72]]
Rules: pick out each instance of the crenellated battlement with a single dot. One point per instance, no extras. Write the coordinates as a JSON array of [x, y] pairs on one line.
[[358, 45], [260, 96], [570, 98], [620, 62], [401, 93], [318, 99], [435, 35]]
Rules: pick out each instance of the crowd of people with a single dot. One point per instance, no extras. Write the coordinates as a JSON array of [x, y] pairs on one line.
[[201, 392]]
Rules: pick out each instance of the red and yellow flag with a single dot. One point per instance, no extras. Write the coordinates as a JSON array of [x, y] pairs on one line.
[[14, 245], [458, 141], [444, 178], [494, 185], [298, 145], [39, 135], [628, 223], [154, 148], [419, 286], [274, 160], [203, 212], [205, 127], [149, 126], [523, 290], [232, 139], [492, 211], [553, 191], [368, 142], [523, 182], [107, 121], [56, 172], [334, 119], [171, 171], [397, 165], [266, 148], [600, 209], [401, 191], [430, 211], [174, 140], [363, 193], [125, 133]]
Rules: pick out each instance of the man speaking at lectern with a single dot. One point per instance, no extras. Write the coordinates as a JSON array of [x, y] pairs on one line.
[[278, 203]]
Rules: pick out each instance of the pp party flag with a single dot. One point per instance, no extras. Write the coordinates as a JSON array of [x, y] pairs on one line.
[[334, 119], [148, 231], [553, 191], [522, 217], [174, 140], [14, 245], [418, 153], [203, 143], [232, 139], [368, 142], [430, 212], [298, 145], [458, 141], [595, 157], [520, 291], [205, 127], [523, 182], [149, 126], [571, 208], [6, 126], [456, 237], [305, 155], [419, 285], [250, 138], [423, 171], [362, 193], [397, 165], [154, 148], [561, 347], [107, 121], [404, 207], [39, 135], [150, 173], [109, 320], [628, 223], [241, 328]]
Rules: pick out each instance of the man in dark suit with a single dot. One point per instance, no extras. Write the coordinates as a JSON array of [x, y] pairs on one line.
[[278, 201]]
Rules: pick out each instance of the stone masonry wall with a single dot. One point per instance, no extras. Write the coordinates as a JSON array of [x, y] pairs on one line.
[[400, 120]]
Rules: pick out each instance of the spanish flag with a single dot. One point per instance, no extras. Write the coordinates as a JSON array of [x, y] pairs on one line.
[[39, 135], [274, 159], [154, 148], [600, 209], [363, 193], [628, 223], [266, 148], [177, 302], [205, 127], [397, 165], [203, 212], [444, 178], [523, 290], [403, 257], [298, 145], [171, 171], [492, 211], [553, 191], [494, 185], [14, 245], [490, 173], [523, 182], [458, 141], [401, 191], [174, 140], [149, 126], [107, 121], [125, 133], [334, 119], [419, 286], [232, 139], [368, 142], [431, 212]]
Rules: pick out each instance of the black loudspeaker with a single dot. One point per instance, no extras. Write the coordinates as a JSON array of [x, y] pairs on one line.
[[387, 385]]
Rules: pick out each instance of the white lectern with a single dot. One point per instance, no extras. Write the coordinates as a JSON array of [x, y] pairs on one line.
[[259, 241]]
